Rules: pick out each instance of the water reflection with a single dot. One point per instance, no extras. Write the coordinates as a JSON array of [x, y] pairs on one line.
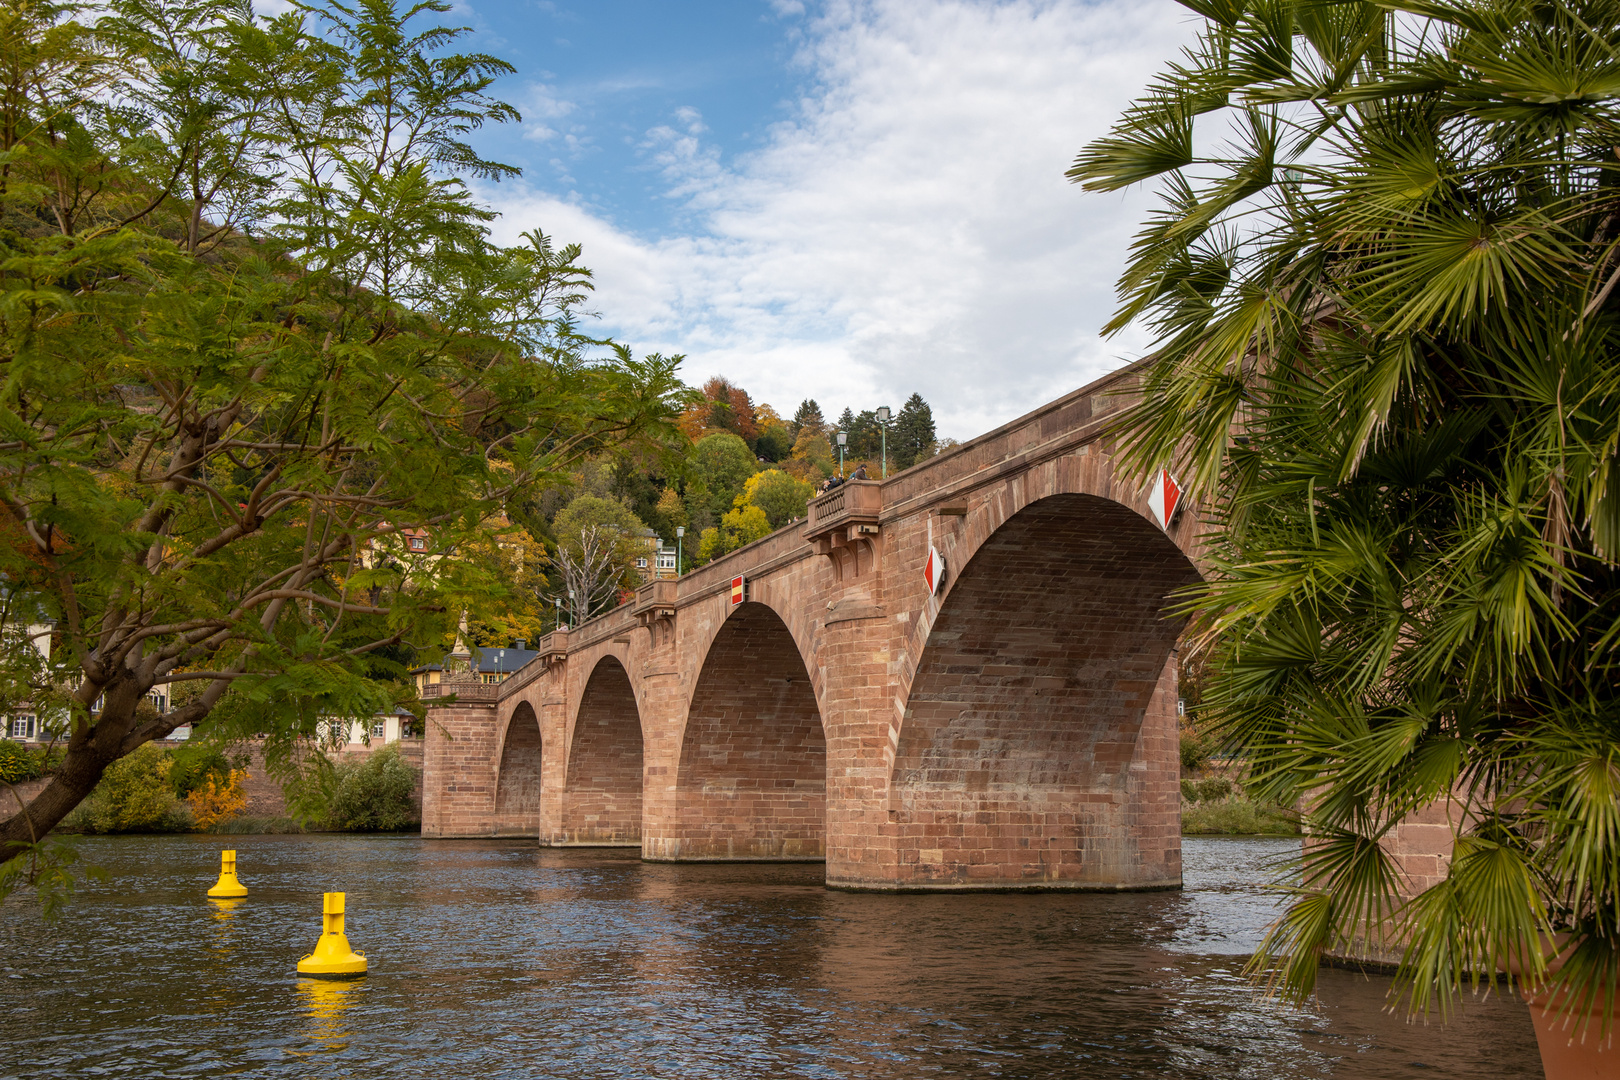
[[504, 959], [224, 910], [324, 1002]]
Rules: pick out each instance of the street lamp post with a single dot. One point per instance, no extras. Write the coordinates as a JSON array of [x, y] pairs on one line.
[[556, 603], [680, 531], [843, 437], [883, 415]]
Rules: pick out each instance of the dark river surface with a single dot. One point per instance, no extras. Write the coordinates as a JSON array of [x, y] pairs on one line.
[[501, 959]]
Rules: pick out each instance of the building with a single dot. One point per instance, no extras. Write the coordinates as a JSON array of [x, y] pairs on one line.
[[665, 566], [382, 729], [25, 724], [492, 664]]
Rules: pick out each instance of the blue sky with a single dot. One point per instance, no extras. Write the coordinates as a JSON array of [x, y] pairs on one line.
[[846, 200], [596, 78]]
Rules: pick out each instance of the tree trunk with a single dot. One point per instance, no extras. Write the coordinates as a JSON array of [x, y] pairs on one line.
[[88, 755]]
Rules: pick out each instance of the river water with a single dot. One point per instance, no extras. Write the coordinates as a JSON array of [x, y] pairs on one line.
[[501, 959]]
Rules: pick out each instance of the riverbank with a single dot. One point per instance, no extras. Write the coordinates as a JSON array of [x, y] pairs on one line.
[[1218, 806]]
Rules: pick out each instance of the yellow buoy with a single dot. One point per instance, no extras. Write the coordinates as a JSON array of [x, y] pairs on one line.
[[332, 958], [227, 885]]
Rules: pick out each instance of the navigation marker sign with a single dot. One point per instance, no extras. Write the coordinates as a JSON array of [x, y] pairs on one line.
[[739, 590], [1164, 497], [934, 570]]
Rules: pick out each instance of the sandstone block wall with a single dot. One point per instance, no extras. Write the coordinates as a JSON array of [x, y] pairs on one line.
[[1014, 729]]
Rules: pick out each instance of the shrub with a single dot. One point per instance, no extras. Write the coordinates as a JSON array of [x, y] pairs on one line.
[[18, 763], [374, 795], [215, 801], [134, 795], [1194, 751], [194, 762], [1211, 790]]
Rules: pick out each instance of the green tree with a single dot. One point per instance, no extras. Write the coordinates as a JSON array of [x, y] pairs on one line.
[[779, 495], [598, 542], [775, 442], [1388, 326], [718, 467], [912, 437], [808, 418], [252, 327], [865, 437]]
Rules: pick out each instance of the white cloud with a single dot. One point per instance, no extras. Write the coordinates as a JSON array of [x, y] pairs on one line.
[[910, 228]]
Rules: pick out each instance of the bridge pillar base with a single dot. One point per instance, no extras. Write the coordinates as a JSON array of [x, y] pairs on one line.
[[734, 858], [1006, 886]]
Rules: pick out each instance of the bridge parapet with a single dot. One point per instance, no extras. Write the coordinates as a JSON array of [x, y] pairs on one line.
[[843, 525], [464, 690], [553, 646], [656, 600]]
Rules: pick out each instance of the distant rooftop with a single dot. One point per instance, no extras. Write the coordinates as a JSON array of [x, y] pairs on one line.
[[493, 659]]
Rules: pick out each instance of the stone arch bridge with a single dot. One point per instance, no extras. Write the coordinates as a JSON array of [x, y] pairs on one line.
[[1015, 728]]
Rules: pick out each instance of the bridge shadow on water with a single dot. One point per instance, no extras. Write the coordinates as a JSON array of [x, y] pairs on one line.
[[502, 959]]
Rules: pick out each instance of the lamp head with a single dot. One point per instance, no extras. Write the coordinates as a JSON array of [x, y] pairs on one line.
[[680, 531], [843, 437], [883, 415]]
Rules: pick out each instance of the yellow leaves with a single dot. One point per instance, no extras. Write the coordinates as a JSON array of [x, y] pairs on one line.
[[212, 802]]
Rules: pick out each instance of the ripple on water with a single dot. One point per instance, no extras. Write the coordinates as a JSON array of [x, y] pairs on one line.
[[501, 959]]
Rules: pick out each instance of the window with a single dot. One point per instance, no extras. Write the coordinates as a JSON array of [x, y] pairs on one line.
[[641, 564], [379, 730], [22, 726], [495, 678], [406, 731], [418, 544], [666, 562]]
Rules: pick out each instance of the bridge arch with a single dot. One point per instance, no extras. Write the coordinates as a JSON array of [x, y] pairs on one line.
[[517, 780], [602, 793], [751, 776], [1036, 743]]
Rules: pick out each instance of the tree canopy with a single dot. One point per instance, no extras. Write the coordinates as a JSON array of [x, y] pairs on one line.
[[252, 327], [1387, 325]]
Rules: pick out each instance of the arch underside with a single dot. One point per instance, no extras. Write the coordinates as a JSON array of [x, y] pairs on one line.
[[603, 791], [517, 784], [751, 783], [1039, 742]]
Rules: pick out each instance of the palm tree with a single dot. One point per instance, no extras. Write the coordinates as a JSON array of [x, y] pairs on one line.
[[1386, 312]]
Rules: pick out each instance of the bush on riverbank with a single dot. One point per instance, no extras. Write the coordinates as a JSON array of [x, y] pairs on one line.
[[134, 796], [1217, 806], [216, 801], [375, 795], [19, 763]]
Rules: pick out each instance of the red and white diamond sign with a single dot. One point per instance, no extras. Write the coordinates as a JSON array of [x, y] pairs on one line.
[[1164, 498], [934, 570]]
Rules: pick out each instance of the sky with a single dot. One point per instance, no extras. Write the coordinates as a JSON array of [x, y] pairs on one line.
[[848, 200]]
